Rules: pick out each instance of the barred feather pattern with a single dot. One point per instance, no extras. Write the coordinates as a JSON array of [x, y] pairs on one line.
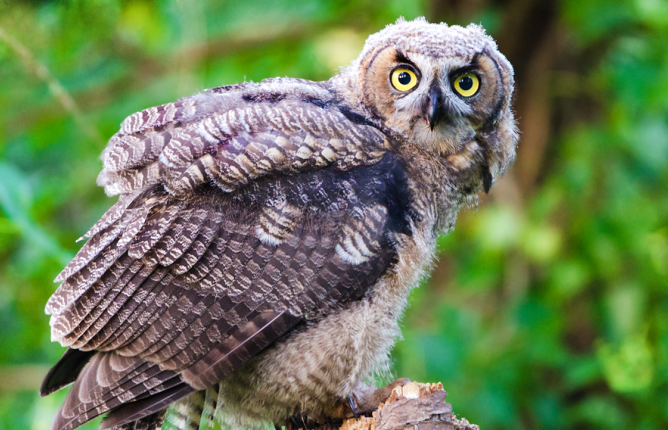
[[211, 291], [195, 270], [235, 136]]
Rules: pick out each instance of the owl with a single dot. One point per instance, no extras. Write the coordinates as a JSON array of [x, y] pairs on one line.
[[266, 235]]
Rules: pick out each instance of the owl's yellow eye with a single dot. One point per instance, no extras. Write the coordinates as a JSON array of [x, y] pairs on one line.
[[467, 84], [404, 79]]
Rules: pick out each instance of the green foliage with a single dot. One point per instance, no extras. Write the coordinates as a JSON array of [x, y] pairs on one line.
[[546, 311]]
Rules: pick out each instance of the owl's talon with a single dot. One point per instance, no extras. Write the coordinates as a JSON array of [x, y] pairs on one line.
[[351, 403], [303, 421]]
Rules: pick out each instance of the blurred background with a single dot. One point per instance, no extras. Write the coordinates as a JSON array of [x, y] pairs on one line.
[[548, 308]]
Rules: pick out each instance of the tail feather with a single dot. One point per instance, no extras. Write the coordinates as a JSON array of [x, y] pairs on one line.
[[65, 371], [133, 411]]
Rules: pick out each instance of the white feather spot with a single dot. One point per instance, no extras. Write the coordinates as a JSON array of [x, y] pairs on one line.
[[267, 238], [354, 259]]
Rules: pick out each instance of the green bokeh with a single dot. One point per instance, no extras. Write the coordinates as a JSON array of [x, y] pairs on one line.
[[549, 306]]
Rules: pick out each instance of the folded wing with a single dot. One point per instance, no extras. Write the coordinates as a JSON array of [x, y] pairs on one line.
[[198, 269]]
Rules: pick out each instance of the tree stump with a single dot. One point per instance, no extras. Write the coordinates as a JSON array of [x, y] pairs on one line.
[[398, 406]]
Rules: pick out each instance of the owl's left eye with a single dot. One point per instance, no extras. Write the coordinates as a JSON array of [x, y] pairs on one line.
[[403, 79], [467, 84]]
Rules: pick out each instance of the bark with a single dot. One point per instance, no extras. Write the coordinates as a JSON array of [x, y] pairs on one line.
[[400, 405]]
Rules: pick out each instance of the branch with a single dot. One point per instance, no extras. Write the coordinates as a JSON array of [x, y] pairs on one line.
[[402, 405], [55, 87]]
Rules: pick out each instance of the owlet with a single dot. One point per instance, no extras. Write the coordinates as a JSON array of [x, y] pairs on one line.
[[266, 235]]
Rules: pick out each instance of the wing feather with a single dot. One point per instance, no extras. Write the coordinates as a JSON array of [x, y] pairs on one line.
[[151, 422], [111, 216], [112, 307], [220, 137], [170, 324], [171, 237], [182, 242], [68, 321], [216, 247], [146, 314], [157, 224], [115, 324], [119, 329], [80, 334], [201, 250]]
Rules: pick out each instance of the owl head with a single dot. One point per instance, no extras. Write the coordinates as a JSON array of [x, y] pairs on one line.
[[442, 87]]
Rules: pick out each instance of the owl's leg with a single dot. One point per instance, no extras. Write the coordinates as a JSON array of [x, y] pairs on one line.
[[151, 422], [305, 422], [364, 400], [301, 421]]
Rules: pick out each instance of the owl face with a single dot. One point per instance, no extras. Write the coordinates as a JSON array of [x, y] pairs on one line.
[[441, 87], [440, 101]]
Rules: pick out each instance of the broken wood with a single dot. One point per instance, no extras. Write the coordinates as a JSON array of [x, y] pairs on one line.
[[401, 405]]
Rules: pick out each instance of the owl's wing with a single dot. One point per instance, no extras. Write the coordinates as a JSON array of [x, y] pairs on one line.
[[177, 290], [233, 137]]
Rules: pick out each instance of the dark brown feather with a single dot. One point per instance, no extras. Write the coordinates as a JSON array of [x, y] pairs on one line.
[[65, 371], [130, 412]]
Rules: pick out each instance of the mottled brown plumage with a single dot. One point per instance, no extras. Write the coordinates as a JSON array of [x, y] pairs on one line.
[[267, 234]]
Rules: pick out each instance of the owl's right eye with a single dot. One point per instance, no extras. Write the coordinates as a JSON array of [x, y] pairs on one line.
[[403, 79]]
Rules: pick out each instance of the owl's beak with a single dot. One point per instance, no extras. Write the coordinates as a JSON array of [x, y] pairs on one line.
[[433, 108]]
